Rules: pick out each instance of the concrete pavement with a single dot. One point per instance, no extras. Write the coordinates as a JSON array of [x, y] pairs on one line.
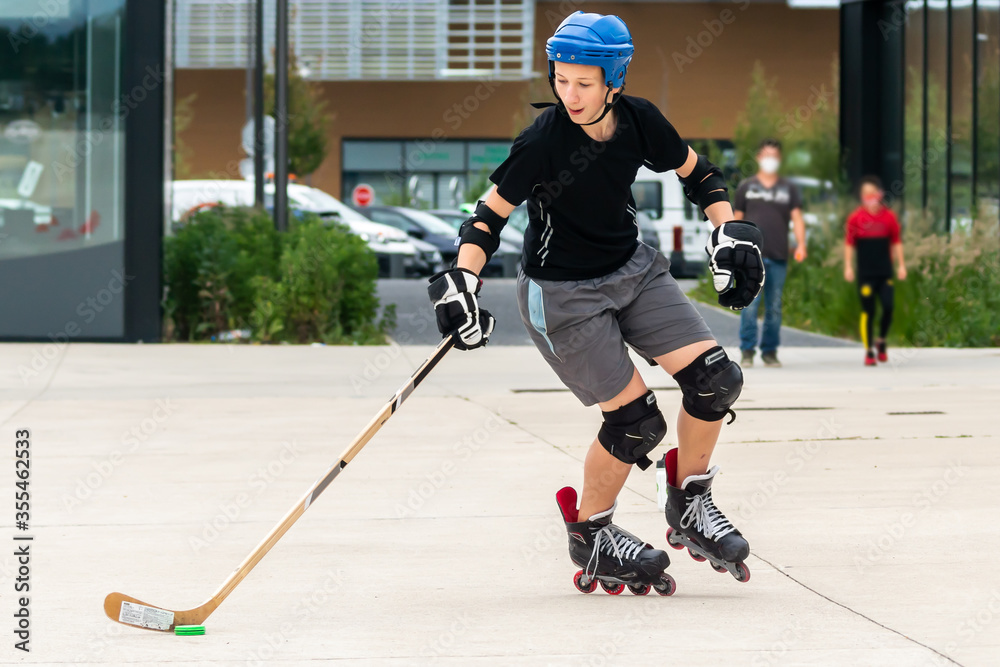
[[869, 497]]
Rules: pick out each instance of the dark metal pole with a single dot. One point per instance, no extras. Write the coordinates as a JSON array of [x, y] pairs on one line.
[[258, 106], [949, 66], [975, 101], [281, 117]]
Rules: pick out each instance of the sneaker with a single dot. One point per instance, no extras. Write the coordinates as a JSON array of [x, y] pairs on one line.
[[882, 356], [747, 360], [770, 359], [870, 358]]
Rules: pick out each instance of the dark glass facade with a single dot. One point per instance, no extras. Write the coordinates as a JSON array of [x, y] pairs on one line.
[[952, 111], [80, 80]]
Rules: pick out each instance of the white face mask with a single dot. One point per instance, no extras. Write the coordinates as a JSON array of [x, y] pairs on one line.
[[769, 165]]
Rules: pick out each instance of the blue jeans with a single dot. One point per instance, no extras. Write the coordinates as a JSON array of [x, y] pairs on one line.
[[774, 285]]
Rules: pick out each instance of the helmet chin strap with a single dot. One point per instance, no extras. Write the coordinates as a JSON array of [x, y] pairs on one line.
[[607, 105], [562, 107]]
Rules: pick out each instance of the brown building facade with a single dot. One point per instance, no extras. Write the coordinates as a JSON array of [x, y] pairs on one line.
[[692, 59]]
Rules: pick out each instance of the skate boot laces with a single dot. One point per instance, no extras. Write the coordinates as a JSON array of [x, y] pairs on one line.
[[614, 542], [706, 517]]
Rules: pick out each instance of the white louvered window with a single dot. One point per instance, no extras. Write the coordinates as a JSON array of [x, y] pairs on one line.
[[367, 39]]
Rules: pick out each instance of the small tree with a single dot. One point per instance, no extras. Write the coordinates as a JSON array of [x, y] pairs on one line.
[[183, 115], [761, 118], [308, 122]]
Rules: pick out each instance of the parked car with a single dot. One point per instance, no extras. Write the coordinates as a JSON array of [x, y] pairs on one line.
[[389, 244], [427, 227]]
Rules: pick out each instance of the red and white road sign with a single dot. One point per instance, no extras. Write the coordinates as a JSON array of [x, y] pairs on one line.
[[363, 194]]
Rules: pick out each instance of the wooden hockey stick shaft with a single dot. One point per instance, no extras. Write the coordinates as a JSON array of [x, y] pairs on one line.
[[130, 611]]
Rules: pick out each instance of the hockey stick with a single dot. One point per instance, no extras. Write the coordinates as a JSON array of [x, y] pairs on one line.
[[130, 611]]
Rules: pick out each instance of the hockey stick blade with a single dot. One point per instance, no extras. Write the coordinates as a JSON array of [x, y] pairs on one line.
[[128, 610]]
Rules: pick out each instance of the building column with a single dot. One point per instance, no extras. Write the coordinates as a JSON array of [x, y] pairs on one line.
[[871, 91]]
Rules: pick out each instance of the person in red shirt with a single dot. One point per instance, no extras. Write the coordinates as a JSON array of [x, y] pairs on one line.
[[873, 235]]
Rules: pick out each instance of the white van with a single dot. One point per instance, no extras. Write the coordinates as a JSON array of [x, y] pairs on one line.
[[683, 232], [385, 241]]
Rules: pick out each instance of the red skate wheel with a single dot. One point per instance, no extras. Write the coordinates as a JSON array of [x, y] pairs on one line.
[[578, 582], [742, 573], [696, 556], [612, 589], [667, 585], [641, 589], [721, 569], [675, 545]]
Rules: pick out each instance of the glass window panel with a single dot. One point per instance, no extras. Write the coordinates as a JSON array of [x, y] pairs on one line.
[[372, 155], [935, 158], [429, 155], [62, 119], [487, 156], [914, 112], [387, 186], [450, 190], [988, 124], [961, 113]]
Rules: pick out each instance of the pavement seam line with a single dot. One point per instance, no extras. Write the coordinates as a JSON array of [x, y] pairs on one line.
[[757, 556], [44, 389], [856, 612]]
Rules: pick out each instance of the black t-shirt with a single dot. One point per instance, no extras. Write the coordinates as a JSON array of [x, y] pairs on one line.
[[581, 215], [771, 210]]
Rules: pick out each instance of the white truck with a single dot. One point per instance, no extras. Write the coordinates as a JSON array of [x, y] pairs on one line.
[[683, 233]]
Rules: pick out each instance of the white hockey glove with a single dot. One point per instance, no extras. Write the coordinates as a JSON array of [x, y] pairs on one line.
[[456, 307], [736, 263]]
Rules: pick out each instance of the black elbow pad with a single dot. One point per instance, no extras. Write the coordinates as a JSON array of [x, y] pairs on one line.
[[706, 185], [488, 241]]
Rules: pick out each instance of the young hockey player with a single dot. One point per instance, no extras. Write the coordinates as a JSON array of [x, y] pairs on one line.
[[587, 288], [874, 230]]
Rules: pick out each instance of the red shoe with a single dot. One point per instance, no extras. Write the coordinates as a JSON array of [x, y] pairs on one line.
[[882, 356], [870, 359]]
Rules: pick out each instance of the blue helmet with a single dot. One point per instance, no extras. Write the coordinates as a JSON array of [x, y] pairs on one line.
[[592, 39]]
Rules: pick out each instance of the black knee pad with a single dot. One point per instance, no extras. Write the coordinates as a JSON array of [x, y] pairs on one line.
[[710, 385], [633, 430]]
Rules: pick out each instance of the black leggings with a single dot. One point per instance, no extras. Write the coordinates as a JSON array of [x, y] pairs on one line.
[[871, 289]]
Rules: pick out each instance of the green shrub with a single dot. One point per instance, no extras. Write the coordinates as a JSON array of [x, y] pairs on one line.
[[951, 297], [325, 290], [229, 269]]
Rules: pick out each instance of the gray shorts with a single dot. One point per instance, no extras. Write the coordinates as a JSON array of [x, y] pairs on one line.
[[581, 327]]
